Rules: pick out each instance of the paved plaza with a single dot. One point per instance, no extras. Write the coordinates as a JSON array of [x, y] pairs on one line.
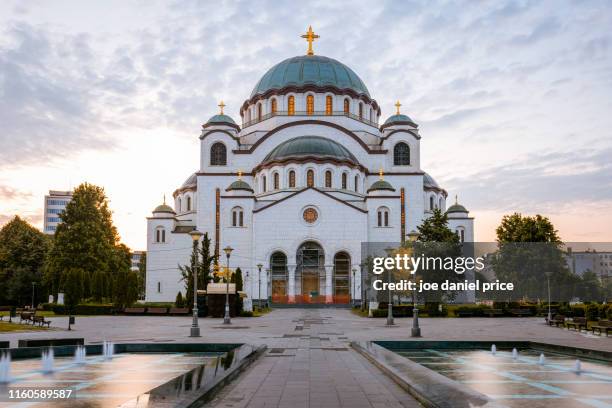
[[309, 362]]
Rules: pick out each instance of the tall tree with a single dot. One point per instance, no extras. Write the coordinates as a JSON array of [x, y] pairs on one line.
[[203, 265], [86, 237], [142, 275], [22, 257]]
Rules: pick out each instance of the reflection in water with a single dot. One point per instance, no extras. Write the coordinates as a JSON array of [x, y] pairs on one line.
[[512, 378]]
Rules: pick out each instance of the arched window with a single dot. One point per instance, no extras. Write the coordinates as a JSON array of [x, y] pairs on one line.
[[160, 235], [401, 154], [329, 105], [278, 269], [291, 106], [360, 110], [460, 233], [291, 179], [309, 104], [179, 205], [276, 180], [237, 217], [347, 107], [310, 178], [342, 270], [273, 106], [382, 217], [440, 203], [344, 181], [218, 154], [431, 203], [357, 183], [259, 111], [188, 203], [328, 179], [263, 184]]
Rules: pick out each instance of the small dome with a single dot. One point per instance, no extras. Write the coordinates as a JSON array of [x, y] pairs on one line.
[[398, 119], [381, 185], [305, 146], [429, 182], [239, 185], [163, 208], [456, 208], [221, 120], [310, 70]]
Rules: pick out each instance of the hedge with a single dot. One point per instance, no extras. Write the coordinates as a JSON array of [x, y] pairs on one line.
[[82, 309]]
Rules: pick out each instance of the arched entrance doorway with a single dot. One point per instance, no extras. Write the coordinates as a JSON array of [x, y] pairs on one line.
[[341, 281], [278, 269], [309, 271]]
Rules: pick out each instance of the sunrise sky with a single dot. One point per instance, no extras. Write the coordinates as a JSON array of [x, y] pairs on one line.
[[513, 99]]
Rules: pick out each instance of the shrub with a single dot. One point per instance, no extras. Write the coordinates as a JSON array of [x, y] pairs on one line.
[[433, 309], [179, 302], [591, 312], [245, 313], [578, 310]]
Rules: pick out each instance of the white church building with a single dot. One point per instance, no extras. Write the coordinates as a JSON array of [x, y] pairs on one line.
[[307, 177]]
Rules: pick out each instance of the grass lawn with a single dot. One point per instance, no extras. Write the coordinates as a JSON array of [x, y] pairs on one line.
[[359, 312], [260, 312], [13, 327]]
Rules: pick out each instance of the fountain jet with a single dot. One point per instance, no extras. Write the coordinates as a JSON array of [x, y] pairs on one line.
[[79, 355], [514, 354], [541, 361], [5, 368], [577, 366], [47, 360], [493, 349]]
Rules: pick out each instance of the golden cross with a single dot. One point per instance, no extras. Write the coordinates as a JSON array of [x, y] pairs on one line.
[[381, 173], [397, 105], [221, 105], [239, 174], [164, 199], [456, 199], [310, 36]]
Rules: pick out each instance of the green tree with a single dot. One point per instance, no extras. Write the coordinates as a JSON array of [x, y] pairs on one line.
[[125, 288], [187, 272], [207, 262], [435, 229], [73, 288], [86, 237], [237, 279], [22, 257], [590, 288], [98, 289], [204, 265], [142, 275], [528, 248], [179, 301]]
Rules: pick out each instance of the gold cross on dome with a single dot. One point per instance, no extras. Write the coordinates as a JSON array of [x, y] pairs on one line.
[[239, 174], [310, 36], [397, 105], [456, 199], [221, 105], [381, 174]]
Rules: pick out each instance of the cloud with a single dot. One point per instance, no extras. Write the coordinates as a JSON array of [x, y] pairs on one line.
[[9, 194]]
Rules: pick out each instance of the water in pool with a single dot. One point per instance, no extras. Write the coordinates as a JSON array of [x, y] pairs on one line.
[[106, 382], [524, 380]]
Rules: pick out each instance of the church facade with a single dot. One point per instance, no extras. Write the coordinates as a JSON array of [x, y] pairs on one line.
[[308, 175]]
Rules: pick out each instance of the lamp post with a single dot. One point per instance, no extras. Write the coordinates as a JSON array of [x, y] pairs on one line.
[[389, 252], [259, 266], [226, 319], [195, 329], [548, 274], [416, 330], [268, 287], [33, 288], [354, 286]]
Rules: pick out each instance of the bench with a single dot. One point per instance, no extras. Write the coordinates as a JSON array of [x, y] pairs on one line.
[[602, 325], [40, 320], [493, 312], [577, 323], [26, 316], [520, 312], [557, 320], [157, 310], [134, 310], [179, 311]]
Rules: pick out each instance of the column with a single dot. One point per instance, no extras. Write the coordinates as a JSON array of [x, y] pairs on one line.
[[291, 293], [329, 270]]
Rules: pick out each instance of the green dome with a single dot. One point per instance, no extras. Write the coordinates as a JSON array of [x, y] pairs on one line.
[[305, 146], [239, 185], [310, 70], [221, 118], [400, 119], [456, 208], [381, 185], [163, 208]]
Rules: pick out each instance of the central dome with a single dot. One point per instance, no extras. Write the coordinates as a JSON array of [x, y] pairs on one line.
[[305, 146], [310, 70]]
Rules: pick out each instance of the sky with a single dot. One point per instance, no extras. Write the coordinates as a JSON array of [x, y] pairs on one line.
[[513, 98]]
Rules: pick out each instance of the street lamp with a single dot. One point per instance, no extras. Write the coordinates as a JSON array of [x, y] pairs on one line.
[[354, 286], [416, 330], [226, 319], [548, 275], [259, 266], [268, 288], [389, 252], [195, 329]]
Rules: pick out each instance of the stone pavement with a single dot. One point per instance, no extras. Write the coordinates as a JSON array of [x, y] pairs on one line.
[[311, 366]]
